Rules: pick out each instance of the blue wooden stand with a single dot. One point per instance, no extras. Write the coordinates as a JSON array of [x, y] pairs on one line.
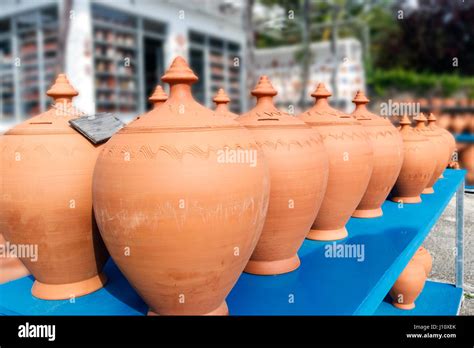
[[325, 284], [469, 139]]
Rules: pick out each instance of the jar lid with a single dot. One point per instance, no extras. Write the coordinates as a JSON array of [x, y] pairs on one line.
[[321, 113], [265, 113], [180, 111], [56, 119], [222, 100], [158, 97], [408, 133], [362, 114]]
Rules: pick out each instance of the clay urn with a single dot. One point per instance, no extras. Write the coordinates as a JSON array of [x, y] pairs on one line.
[[458, 123], [298, 177], [440, 150], [158, 97], [467, 162], [388, 158], [423, 256], [180, 197], [11, 266], [447, 136], [222, 100], [444, 121], [408, 286], [350, 165], [46, 199], [418, 165]]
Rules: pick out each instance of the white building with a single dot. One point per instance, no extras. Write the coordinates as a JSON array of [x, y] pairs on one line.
[[281, 65], [116, 51]]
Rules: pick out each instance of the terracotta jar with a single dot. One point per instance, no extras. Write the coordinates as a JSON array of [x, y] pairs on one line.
[[11, 267], [418, 165], [158, 97], [444, 121], [46, 199], [298, 174], [388, 158], [180, 197], [350, 165], [467, 162], [447, 136], [458, 123], [440, 150], [423, 256], [408, 286], [222, 100]]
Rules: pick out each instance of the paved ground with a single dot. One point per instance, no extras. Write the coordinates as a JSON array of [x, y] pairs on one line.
[[441, 244]]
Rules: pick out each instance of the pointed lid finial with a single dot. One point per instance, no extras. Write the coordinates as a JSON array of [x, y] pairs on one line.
[[431, 118], [420, 120], [360, 98], [264, 88], [321, 92], [405, 121], [179, 71], [159, 96], [221, 97], [62, 88]]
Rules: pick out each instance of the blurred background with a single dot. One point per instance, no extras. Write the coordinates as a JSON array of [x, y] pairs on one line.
[[114, 53]]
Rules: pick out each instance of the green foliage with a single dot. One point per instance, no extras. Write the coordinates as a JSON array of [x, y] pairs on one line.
[[383, 81]]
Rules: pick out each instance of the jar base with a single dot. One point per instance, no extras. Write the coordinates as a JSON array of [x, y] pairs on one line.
[[367, 213], [67, 291], [327, 235], [428, 190], [410, 200], [221, 310], [404, 306], [273, 267]]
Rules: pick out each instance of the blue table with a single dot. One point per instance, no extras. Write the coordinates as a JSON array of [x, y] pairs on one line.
[[325, 284]]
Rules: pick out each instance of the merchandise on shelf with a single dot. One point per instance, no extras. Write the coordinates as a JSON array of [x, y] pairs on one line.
[[408, 286], [387, 146], [439, 147], [298, 166], [350, 165], [49, 184], [189, 214], [424, 257], [418, 165]]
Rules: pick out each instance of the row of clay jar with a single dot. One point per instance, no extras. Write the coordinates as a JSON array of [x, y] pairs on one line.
[[186, 198]]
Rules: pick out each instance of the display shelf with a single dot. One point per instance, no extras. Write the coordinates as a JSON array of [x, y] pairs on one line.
[[117, 298], [320, 286], [465, 138], [435, 299]]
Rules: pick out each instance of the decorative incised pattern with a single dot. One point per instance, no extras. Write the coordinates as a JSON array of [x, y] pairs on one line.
[[326, 113], [382, 134], [309, 142], [269, 114], [345, 135], [150, 152], [416, 176], [43, 150]]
